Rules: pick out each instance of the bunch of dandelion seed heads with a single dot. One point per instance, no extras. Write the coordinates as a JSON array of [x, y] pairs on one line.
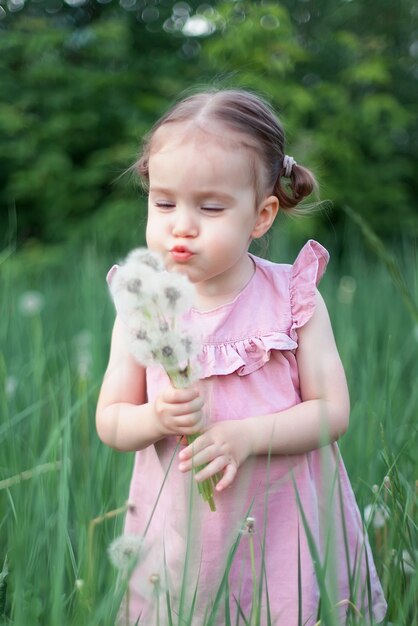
[[151, 303]]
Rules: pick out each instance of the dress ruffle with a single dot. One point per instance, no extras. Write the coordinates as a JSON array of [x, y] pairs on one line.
[[247, 355], [244, 356], [307, 271]]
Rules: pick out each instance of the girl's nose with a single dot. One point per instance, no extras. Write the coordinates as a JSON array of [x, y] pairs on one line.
[[184, 225]]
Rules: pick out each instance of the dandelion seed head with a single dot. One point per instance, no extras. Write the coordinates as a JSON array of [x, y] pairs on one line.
[[79, 583], [84, 364], [176, 293], [143, 256], [31, 303], [134, 285], [124, 552], [142, 352], [142, 335], [163, 326], [10, 386], [187, 343], [172, 294], [131, 286], [346, 289], [83, 353], [167, 352]]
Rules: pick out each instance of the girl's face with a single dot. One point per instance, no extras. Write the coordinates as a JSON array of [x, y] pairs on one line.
[[202, 212]]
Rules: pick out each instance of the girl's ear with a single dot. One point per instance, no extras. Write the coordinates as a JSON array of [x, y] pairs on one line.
[[267, 212]]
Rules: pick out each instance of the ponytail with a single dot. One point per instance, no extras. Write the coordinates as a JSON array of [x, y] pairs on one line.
[[301, 184]]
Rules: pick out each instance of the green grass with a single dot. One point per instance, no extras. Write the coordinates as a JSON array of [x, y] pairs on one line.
[[63, 493]]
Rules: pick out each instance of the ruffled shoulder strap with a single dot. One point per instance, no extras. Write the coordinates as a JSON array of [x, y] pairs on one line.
[[111, 273], [307, 271]]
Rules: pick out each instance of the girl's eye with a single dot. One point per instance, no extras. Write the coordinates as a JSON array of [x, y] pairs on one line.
[[164, 205], [213, 209]]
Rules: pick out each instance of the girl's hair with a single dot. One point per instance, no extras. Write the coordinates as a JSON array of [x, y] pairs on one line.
[[253, 118]]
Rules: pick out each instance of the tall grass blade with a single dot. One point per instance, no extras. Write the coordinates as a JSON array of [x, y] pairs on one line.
[[184, 582], [327, 613], [377, 245], [161, 489], [221, 590], [227, 605], [299, 581], [167, 592]]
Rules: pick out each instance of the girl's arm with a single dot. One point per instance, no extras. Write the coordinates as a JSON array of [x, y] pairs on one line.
[[124, 418], [321, 417]]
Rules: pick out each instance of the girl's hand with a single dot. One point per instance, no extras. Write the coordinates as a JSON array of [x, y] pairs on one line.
[[224, 446], [179, 411]]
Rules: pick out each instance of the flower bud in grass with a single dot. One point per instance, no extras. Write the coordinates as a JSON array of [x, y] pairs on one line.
[[131, 506], [249, 526], [409, 562], [376, 515]]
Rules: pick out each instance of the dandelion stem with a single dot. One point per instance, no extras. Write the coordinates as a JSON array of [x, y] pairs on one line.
[[92, 526], [254, 576], [31, 473], [127, 606], [206, 487]]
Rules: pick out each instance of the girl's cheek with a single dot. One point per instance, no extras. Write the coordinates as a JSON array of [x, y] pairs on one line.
[[150, 235]]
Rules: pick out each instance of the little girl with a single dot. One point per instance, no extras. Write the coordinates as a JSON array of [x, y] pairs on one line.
[[270, 405]]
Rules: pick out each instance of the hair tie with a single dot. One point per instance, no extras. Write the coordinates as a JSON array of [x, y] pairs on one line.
[[288, 163]]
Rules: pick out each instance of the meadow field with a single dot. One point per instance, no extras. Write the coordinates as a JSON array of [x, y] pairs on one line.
[[63, 493]]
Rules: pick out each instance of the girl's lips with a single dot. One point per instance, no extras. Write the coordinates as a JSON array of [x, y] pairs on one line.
[[181, 254]]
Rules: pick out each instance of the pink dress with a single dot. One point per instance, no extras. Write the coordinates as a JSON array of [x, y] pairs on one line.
[[305, 516]]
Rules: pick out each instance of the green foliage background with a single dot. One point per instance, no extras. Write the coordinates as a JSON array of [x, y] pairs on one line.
[[82, 81]]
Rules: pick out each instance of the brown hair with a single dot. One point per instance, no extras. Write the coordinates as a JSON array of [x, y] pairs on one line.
[[252, 117]]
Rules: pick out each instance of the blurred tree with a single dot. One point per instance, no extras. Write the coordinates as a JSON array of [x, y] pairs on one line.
[[81, 81], [342, 74], [75, 102]]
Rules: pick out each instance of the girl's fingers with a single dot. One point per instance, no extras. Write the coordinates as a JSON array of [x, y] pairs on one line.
[[228, 477], [215, 466], [185, 408], [198, 457], [179, 396], [194, 448]]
